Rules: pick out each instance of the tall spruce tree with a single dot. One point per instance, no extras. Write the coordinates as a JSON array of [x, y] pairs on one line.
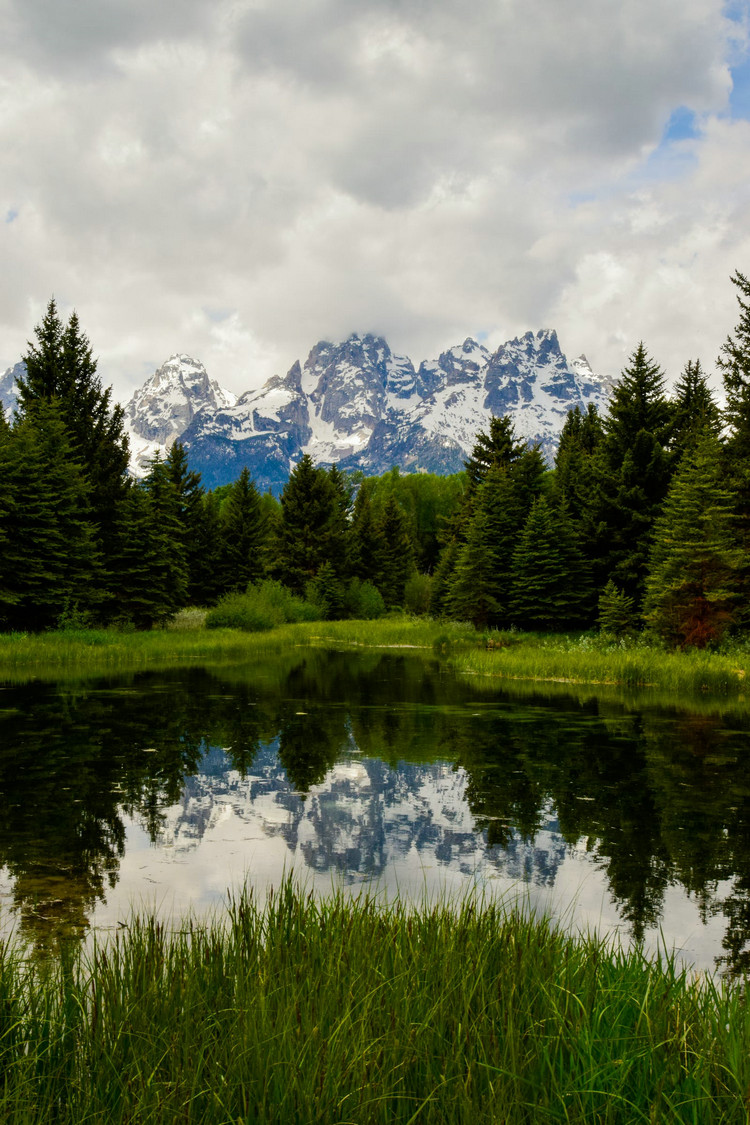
[[692, 588], [60, 365], [51, 564], [734, 364], [549, 584], [309, 509], [634, 473], [191, 511], [242, 535], [694, 410], [479, 588], [499, 446], [365, 541], [395, 558]]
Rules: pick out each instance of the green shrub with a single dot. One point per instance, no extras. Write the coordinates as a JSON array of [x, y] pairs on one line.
[[417, 593], [261, 607], [363, 601]]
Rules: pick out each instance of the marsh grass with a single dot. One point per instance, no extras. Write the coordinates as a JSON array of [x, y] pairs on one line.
[[353, 1010], [596, 660], [576, 659]]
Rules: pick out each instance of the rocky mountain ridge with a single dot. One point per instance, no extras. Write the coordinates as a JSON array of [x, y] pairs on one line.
[[360, 405]]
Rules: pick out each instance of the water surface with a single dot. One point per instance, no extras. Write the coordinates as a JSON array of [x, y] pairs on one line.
[[385, 770]]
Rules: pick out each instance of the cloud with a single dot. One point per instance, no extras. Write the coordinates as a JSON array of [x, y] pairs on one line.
[[426, 171]]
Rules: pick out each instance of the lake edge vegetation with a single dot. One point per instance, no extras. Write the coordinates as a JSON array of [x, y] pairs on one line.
[[351, 1008]]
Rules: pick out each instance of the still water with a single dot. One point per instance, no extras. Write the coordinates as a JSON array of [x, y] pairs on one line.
[[164, 790]]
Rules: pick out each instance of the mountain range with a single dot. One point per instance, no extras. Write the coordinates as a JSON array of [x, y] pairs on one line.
[[358, 404]]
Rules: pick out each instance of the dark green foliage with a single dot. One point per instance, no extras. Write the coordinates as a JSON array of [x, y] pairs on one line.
[[150, 561], [363, 600], [395, 559], [328, 592], [260, 608], [311, 515], [242, 535], [50, 563], [694, 410], [60, 366], [199, 522], [576, 467], [429, 502], [638, 404], [365, 543], [479, 588], [734, 364], [549, 586], [692, 587], [443, 577], [204, 552], [633, 476], [617, 617], [498, 447]]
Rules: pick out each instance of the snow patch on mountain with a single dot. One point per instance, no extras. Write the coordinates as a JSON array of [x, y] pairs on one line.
[[9, 388], [161, 410]]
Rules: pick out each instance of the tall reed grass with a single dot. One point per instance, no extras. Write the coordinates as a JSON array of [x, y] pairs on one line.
[[354, 1011], [589, 659]]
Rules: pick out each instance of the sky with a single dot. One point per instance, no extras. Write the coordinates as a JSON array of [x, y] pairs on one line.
[[238, 179]]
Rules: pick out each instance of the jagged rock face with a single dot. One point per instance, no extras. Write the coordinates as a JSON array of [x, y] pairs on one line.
[[9, 388], [167, 402], [160, 411], [358, 404]]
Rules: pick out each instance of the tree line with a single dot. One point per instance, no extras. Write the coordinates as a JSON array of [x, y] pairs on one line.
[[644, 519]]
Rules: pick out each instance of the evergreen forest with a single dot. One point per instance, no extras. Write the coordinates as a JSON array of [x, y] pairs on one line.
[[643, 522]]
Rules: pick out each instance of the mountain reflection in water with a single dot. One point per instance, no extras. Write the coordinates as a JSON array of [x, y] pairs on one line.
[[374, 768]]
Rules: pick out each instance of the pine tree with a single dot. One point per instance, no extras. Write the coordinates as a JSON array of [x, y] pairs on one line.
[[191, 510], [51, 561], [694, 410], [204, 552], [479, 589], [498, 447], [309, 508], [365, 542], [337, 534], [638, 404], [60, 365], [549, 586], [395, 559], [169, 570], [692, 586], [150, 552], [734, 363], [242, 535], [617, 617], [634, 474]]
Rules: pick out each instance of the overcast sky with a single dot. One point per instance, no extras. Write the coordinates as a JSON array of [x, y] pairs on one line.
[[238, 179]]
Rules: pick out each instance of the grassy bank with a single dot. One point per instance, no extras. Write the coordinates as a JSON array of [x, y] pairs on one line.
[[351, 1011], [576, 659]]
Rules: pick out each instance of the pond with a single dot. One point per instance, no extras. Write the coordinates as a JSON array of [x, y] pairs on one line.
[[378, 770]]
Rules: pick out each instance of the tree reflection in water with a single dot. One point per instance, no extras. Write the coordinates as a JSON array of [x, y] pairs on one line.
[[660, 795]]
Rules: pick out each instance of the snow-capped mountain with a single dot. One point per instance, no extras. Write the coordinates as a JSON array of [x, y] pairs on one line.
[[162, 409], [8, 388], [358, 404]]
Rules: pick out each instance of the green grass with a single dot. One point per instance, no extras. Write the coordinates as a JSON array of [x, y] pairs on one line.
[[356, 1011], [596, 660], [576, 660]]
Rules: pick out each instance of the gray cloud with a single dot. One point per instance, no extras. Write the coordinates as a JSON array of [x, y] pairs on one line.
[[316, 168]]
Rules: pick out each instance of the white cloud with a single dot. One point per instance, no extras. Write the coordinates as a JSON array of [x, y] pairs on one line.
[[239, 179]]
